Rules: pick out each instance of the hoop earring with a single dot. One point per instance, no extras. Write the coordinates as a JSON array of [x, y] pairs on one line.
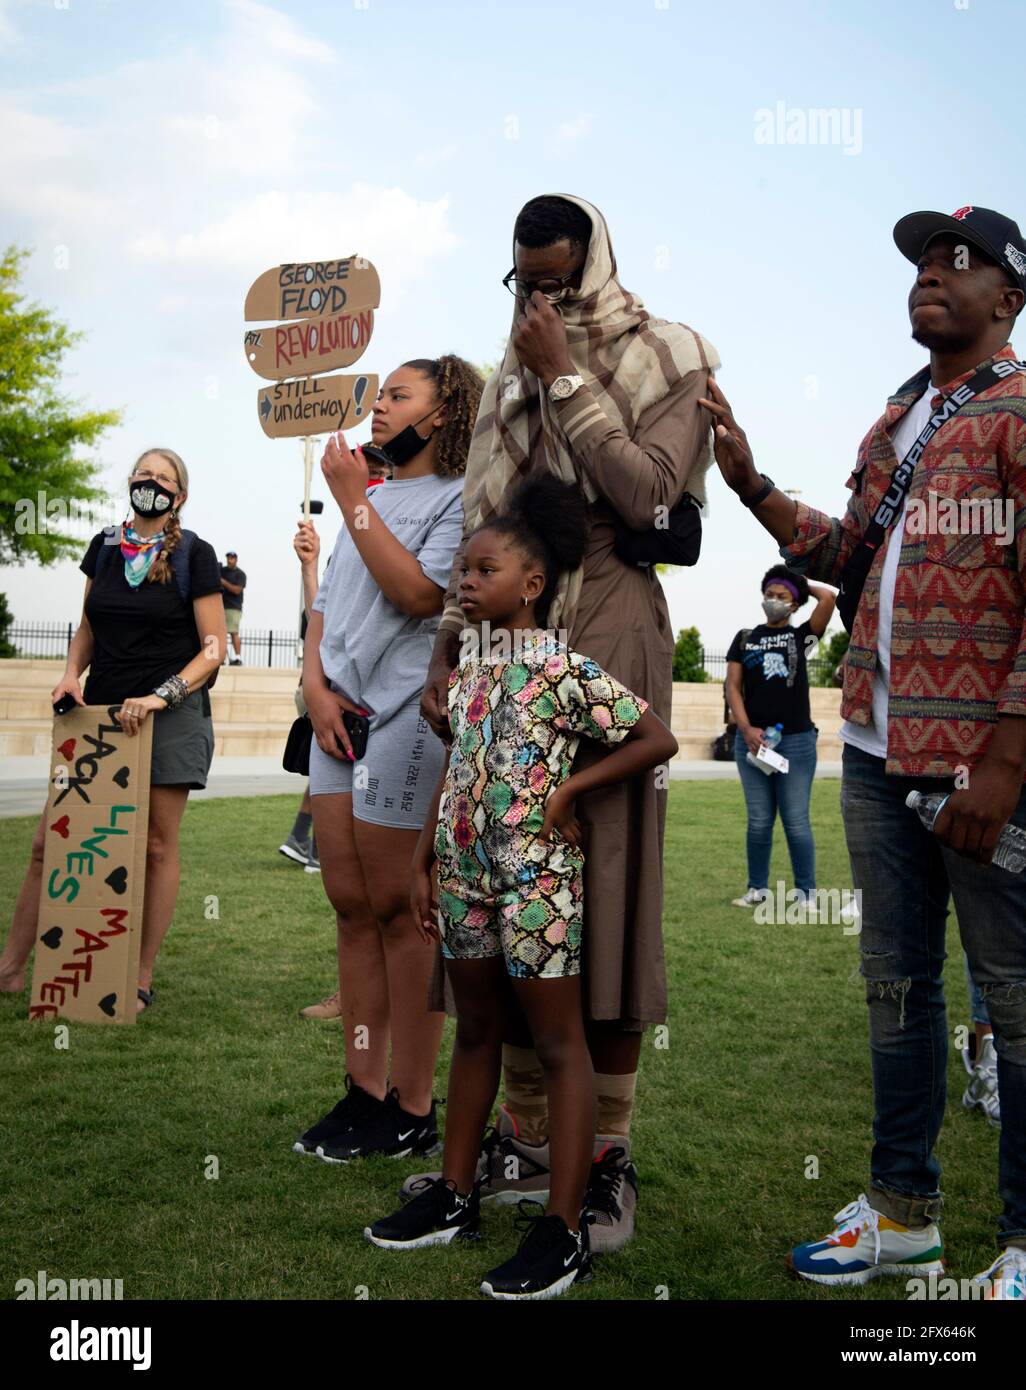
[[524, 602]]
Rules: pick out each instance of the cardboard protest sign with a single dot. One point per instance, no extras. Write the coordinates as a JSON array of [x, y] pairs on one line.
[[315, 404], [94, 870], [299, 349], [313, 291]]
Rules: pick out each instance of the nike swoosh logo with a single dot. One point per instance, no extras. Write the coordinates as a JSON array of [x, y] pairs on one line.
[[406, 1135], [570, 1259]]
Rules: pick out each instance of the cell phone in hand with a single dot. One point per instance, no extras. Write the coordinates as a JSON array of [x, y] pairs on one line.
[[358, 729], [65, 704]]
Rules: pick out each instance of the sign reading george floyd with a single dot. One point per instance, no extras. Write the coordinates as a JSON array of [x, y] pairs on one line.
[[313, 291], [94, 869], [308, 346], [315, 405]]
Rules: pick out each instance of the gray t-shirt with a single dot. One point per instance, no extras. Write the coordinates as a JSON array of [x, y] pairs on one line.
[[371, 651]]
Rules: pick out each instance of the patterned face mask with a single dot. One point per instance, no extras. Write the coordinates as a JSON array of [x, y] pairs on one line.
[[150, 498]]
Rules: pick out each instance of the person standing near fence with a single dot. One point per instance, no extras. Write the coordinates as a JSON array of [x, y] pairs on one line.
[[152, 634], [768, 684], [233, 581]]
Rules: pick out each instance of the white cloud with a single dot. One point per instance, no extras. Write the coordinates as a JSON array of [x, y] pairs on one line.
[[569, 132], [399, 230], [272, 31], [442, 154]]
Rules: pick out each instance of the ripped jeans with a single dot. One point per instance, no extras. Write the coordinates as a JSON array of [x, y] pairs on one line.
[[906, 878]]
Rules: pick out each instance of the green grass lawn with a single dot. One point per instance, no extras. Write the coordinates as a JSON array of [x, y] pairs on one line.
[[767, 1063]]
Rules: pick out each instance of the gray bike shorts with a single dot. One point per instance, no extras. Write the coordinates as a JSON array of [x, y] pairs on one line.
[[395, 780]]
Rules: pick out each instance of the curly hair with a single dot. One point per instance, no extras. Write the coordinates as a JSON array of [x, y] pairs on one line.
[[548, 219], [458, 386], [792, 576], [548, 521], [160, 570]]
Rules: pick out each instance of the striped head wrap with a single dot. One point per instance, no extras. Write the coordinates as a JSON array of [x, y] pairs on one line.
[[627, 358]]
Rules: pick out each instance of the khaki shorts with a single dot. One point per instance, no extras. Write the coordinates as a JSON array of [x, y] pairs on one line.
[[233, 619]]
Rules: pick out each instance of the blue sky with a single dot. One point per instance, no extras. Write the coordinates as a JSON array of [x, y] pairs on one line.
[[157, 158]]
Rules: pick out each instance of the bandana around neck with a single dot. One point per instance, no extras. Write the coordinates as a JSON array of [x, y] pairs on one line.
[[139, 552]]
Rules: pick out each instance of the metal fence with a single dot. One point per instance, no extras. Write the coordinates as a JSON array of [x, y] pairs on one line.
[[283, 649], [715, 664], [259, 648]]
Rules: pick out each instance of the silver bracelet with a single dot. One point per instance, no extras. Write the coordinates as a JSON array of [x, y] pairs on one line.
[[174, 691]]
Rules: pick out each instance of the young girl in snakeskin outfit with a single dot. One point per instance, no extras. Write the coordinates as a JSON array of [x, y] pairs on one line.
[[509, 871]]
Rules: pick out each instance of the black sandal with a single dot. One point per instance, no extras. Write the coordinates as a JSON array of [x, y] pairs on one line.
[[146, 995]]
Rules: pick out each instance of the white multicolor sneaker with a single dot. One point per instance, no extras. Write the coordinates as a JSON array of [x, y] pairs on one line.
[[1006, 1276], [751, 897], [982, 1091], [865, 1244]]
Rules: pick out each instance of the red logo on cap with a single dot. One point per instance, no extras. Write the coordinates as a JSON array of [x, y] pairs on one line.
[[961, 213]]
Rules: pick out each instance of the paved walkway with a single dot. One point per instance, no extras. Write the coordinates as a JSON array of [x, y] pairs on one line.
[[23, 780]]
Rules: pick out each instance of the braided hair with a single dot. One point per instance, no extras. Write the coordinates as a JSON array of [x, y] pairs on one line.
[[458, 386], [548, 521], [160, 570]]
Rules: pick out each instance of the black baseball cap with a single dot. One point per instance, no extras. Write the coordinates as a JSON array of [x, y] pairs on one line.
[[231, 552], [998, 236]]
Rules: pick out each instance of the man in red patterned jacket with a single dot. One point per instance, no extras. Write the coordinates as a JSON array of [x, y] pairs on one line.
[[934, 700]]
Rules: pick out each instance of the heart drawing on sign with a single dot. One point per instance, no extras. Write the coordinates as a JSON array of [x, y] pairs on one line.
[[52, 938], [61, 826], [67, 748], [121, 777], [108, 1003], [118, 879]]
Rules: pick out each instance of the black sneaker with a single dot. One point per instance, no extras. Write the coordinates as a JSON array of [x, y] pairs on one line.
[[435, 1215], [357, 1107], [548, 1260], [389, 1130]]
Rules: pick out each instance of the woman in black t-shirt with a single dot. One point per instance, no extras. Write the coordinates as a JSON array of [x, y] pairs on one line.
[[768, 684], [152, 633]]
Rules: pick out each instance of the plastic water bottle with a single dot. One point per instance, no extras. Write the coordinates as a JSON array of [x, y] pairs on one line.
[[771, 738], [1010, 851]]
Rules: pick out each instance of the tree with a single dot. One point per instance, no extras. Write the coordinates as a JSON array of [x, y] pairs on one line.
[[41, 432], [7, 647], [689, 656], [823, 670]]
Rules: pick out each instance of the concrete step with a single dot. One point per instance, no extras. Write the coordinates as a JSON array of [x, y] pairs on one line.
[[254, 708]]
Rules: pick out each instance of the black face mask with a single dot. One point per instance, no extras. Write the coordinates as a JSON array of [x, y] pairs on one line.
[[406, 445], [151, 498]]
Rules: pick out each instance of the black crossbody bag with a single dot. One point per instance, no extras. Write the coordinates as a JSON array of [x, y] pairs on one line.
[[677, 543], [853, 576]]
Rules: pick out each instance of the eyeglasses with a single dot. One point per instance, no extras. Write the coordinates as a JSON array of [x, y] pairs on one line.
[[143, 474], [553, 287]]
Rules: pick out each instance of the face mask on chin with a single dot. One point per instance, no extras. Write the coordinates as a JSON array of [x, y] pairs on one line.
[[776, 609], [150, 498], [402, 447]]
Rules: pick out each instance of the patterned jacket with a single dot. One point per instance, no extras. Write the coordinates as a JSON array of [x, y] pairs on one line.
[[958, 637]]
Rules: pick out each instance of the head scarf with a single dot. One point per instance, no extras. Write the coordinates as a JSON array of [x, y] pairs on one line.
[[627, 358], [139, 552]]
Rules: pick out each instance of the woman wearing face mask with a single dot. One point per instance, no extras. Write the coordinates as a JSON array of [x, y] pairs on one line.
[[368, 644], [768, 684], [152, 632]]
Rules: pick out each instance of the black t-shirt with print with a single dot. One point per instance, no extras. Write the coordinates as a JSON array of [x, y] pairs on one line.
[[141, 636], [774, 676]]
